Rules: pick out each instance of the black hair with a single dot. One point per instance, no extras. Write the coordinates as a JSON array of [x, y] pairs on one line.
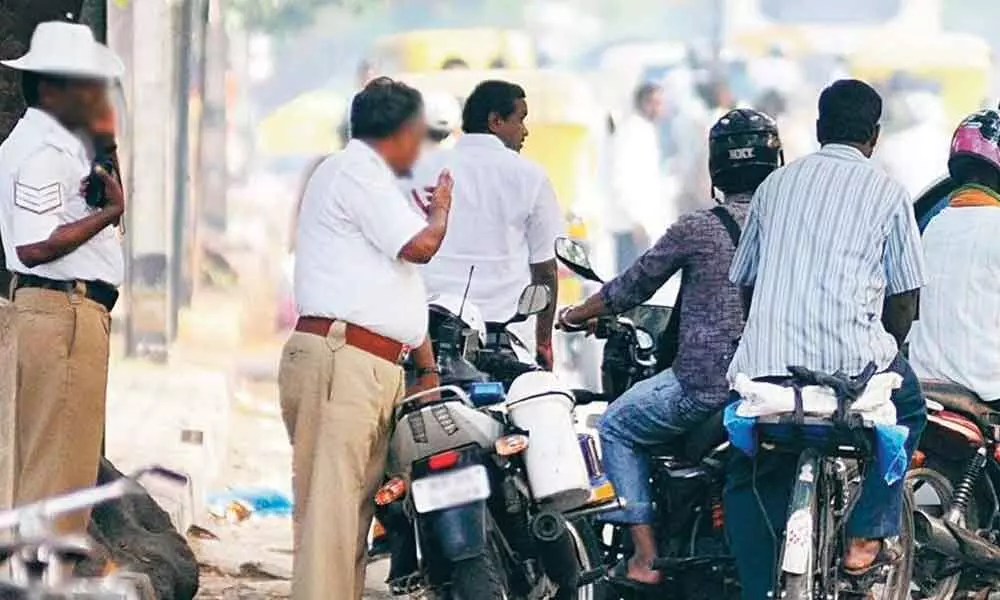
[[968, 168], [849, 112], [489, 97], [382, 107], [644, 92], [31, 86]]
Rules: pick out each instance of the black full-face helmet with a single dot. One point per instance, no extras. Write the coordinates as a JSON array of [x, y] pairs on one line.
[[743, 148]]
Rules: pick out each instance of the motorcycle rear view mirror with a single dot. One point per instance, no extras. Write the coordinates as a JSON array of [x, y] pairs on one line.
[[575, 257], [534, 299]]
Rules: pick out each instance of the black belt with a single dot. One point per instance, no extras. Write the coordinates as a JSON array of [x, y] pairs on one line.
[[100, 292]]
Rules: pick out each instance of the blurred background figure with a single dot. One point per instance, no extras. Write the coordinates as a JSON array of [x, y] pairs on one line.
[[777, 71], [689, 117], [915, 140], [444, 117], [639, 209], [365, 73]]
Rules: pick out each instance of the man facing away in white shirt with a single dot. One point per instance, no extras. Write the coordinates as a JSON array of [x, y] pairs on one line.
[[957, 338], [505, 218], [640, 211], [362, 305]]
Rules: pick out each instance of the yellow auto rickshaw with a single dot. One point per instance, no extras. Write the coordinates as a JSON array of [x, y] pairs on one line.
[[960, 64], [306, 126], [566, 134], [437, 49]]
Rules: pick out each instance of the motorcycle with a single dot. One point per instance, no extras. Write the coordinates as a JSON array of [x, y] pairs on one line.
[[954, 480], [689, 472], [490, 476]]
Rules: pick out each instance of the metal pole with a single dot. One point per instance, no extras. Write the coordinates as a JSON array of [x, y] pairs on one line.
[[181, 167]]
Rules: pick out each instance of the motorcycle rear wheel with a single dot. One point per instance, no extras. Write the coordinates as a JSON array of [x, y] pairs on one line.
[[478, 578], [938, 484]]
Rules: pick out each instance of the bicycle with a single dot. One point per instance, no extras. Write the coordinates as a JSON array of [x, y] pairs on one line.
[[833, 453]]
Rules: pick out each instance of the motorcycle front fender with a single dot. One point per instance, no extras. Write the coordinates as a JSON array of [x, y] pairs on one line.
[[455, 534]]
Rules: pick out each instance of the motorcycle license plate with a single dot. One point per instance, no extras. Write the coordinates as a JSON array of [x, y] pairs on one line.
[[450, 489]]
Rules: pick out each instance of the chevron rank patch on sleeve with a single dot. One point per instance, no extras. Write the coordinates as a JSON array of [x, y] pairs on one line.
[[39, 200]]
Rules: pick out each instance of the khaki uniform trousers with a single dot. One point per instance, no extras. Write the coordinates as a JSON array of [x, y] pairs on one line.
[[337, 403], [62, 368]]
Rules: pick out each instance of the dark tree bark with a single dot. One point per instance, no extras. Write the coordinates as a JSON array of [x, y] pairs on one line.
[[18, 19]]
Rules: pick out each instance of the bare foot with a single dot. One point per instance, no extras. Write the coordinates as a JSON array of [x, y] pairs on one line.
[[861, 553], [639, 570]]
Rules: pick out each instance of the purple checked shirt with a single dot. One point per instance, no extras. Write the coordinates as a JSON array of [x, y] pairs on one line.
[[711, 322]]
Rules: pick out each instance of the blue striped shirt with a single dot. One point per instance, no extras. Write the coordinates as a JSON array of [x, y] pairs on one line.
[[827, 239]]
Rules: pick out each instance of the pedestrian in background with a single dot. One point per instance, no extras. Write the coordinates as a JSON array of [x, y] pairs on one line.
[[363, 307], [67, 260], [640, 210]]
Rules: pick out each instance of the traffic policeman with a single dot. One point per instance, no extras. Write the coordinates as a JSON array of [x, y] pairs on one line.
[[62, 245]]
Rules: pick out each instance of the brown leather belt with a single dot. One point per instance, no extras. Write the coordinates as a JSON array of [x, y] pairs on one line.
[[357, 336]]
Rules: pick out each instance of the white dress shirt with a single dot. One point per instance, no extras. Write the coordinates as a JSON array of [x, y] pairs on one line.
[[42, 165], [353, 223], [957, 337], [504, 217]]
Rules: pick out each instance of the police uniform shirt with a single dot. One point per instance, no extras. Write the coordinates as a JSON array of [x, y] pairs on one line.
[[42, 165]]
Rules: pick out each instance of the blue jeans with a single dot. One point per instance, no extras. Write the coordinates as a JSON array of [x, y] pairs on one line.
[[877, 513], [648, 414]]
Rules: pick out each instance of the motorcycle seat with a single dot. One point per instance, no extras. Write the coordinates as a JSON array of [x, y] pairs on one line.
[[697, 443], [959, 399]]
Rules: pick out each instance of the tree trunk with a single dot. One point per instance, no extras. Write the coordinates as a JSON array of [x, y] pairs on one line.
[[18, 19]]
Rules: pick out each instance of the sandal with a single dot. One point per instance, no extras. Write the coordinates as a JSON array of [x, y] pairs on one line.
[[618, 577], [888, 554]]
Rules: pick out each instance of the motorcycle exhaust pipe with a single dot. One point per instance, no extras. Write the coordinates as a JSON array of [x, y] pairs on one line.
[[955, 541], [557, 551]]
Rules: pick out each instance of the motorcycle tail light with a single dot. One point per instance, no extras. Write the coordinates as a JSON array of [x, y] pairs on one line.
[[445, 460], [509, 445], [918, 460], [393, 490]]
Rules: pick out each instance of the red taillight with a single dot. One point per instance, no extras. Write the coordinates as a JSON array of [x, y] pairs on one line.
[[445, 460]]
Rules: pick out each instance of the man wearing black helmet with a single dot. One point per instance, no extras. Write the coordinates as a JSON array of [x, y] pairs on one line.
[[744, 148]]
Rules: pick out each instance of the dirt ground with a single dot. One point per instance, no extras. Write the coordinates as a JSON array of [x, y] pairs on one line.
[[233, 402]]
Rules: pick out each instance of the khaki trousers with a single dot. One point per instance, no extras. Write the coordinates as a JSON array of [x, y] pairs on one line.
[[337, 404], [62, 365]]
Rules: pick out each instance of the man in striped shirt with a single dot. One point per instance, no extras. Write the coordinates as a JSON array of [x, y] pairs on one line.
[[831, 265]]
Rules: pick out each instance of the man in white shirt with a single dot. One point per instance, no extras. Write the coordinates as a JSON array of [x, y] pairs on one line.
[[362, 307], [67, 261], [957, 338], [640, 211], [506, 216]]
